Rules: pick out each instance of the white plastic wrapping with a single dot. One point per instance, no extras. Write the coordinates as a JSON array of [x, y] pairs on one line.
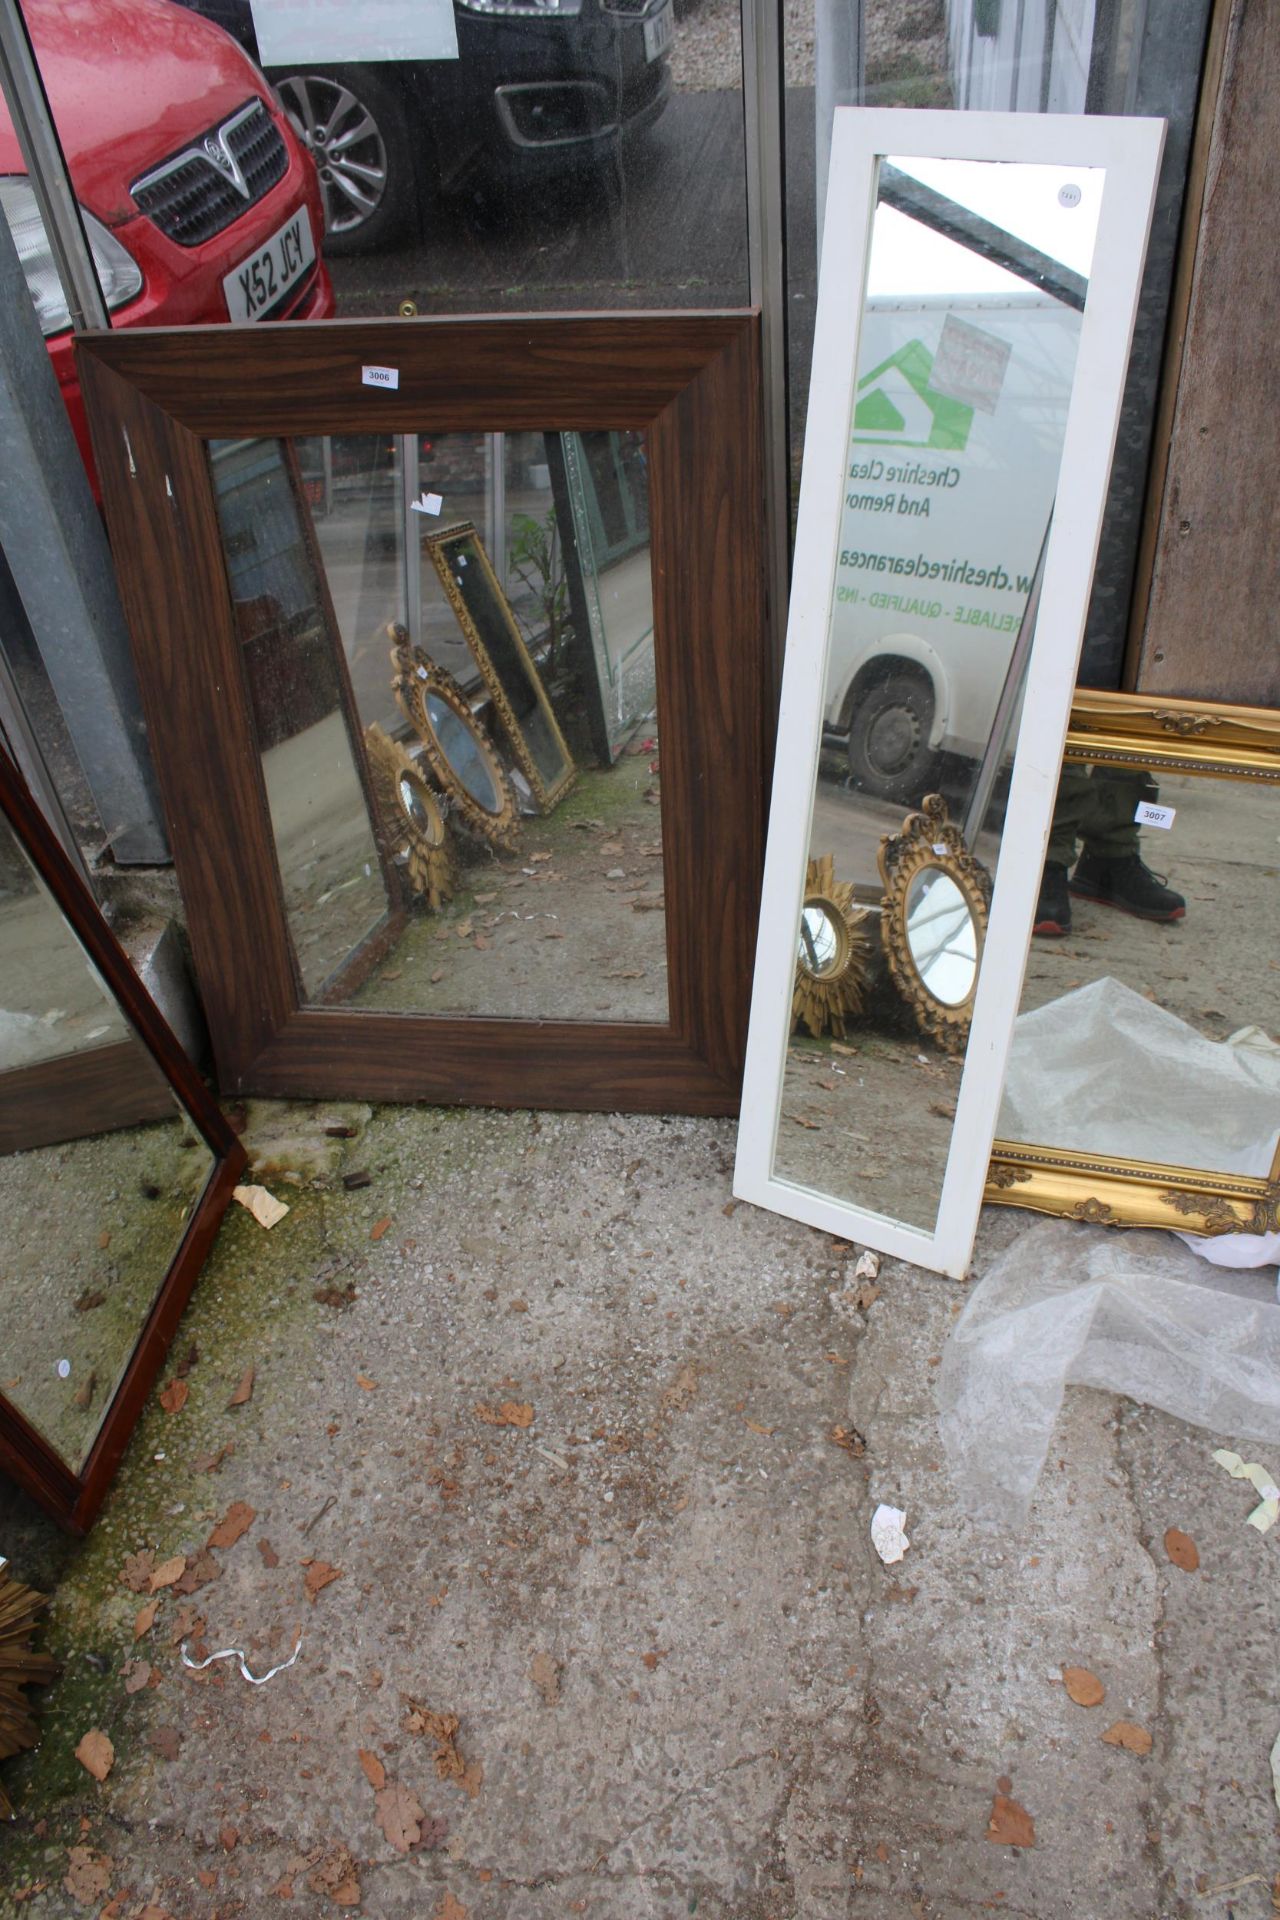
[[1105, 1071], [1131, 1313]]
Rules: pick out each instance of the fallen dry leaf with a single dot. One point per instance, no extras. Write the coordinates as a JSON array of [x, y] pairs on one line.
[[443, 1729], [545, 1673], [319, 1575], [210, 1462], [866, 1295], [755, 1427], [144, 1619], [228, 1836], [1083, 1687], [1010, 1825], [337, 1876], [1182, 1549], [399, 1815], [1125, 1733], [137, 1675], [169, 1572], [137, 1571], [244, 1391], [174, 1397], [510, 1414], [88, 1875], [365, 1384], [372, 1768], [379, 1227], [166, 1741], [200, 1571], [270, 1558], [96, 1754], [682, 1390], [450, 1909], [236, 1521], [850, 1439]]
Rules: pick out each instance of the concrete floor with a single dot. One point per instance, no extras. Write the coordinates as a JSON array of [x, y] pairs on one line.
[[683, 1681]]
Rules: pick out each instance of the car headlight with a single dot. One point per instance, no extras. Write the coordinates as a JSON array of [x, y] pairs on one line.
[[118, 271], [525, 9]]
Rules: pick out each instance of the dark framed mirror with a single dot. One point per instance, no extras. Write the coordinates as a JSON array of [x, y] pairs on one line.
[[115, 1169], [575, 963]]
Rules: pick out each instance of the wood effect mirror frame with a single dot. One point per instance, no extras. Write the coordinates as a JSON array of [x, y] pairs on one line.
[[690, 382], [73, 1496], [1166, 736]]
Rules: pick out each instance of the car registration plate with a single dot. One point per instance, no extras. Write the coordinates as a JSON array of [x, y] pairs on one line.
[[259, 282], [659, 32]]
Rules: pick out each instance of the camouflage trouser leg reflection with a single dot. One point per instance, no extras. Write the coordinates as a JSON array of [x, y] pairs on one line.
[[1095, 807]]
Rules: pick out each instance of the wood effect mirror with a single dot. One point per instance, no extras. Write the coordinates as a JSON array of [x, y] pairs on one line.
[[1144, 1076], [604, 961], [115, 1169], [978, 281]]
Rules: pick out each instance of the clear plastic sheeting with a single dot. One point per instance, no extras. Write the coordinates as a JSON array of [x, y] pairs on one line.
[[1105, 1071], [1132, 1313]]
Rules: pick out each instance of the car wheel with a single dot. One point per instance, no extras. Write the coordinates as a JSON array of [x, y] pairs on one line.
[[352, 123], [889, 751]]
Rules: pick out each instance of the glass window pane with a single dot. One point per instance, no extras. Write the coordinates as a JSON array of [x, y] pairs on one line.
[[1050, 56]]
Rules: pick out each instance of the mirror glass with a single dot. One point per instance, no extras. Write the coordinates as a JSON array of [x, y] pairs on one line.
[[515, 571], [99, 1171], [422, 815], [967, 350], [819, 951], [941, 936], [1148, 1030]]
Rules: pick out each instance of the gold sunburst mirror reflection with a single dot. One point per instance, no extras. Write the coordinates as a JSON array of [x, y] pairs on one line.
[[934, 921], [410, 824], [463, 764], [833, 953]]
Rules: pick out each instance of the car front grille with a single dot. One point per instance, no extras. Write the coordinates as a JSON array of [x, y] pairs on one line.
[[197, 192]]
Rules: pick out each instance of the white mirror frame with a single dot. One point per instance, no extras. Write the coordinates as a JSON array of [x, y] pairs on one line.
[[1129, 150]]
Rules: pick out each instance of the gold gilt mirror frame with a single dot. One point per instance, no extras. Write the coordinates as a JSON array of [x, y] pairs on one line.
[[438, 711], [1168, 739], [410, 824], [833, 959], [511, 679], [918, 866]]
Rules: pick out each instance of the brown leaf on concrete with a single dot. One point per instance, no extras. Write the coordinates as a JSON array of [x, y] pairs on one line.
[[1126, 1733], [96, 1754], [144, 1619], [510, 1414], [365, 1384], [866, 1295], [379, 1227], [166, 1741], [850, 1439], [337, 1876], [1010, 1825], [1182, 1549], [244, 1391], [443, 1729], [137, 1571], [228, 1836], [545, 1672], [137, 1675], [88, 1875], [682, 1390], [91, 1297], [319, 1574], [1083, 1687], [755, 1427], [210, 1462], [450, 1909], [374, 1771], [270, 1558], [200, 1572], [173, 1398], [399, 1815], [169, 1572], [237, 1520]]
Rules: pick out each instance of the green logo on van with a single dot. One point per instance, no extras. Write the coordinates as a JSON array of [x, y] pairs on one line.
[[899, 406]]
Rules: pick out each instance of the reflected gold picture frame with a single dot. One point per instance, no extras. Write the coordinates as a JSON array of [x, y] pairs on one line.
[[440, 546], [1172, 736], [690, 382]]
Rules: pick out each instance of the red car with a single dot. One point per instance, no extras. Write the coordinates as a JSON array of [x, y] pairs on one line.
[[199, 202]]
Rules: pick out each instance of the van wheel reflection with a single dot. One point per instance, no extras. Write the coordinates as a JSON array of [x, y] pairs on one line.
[[889, 751]]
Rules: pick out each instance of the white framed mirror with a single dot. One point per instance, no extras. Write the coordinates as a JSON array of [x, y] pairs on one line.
[[978, 284]]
